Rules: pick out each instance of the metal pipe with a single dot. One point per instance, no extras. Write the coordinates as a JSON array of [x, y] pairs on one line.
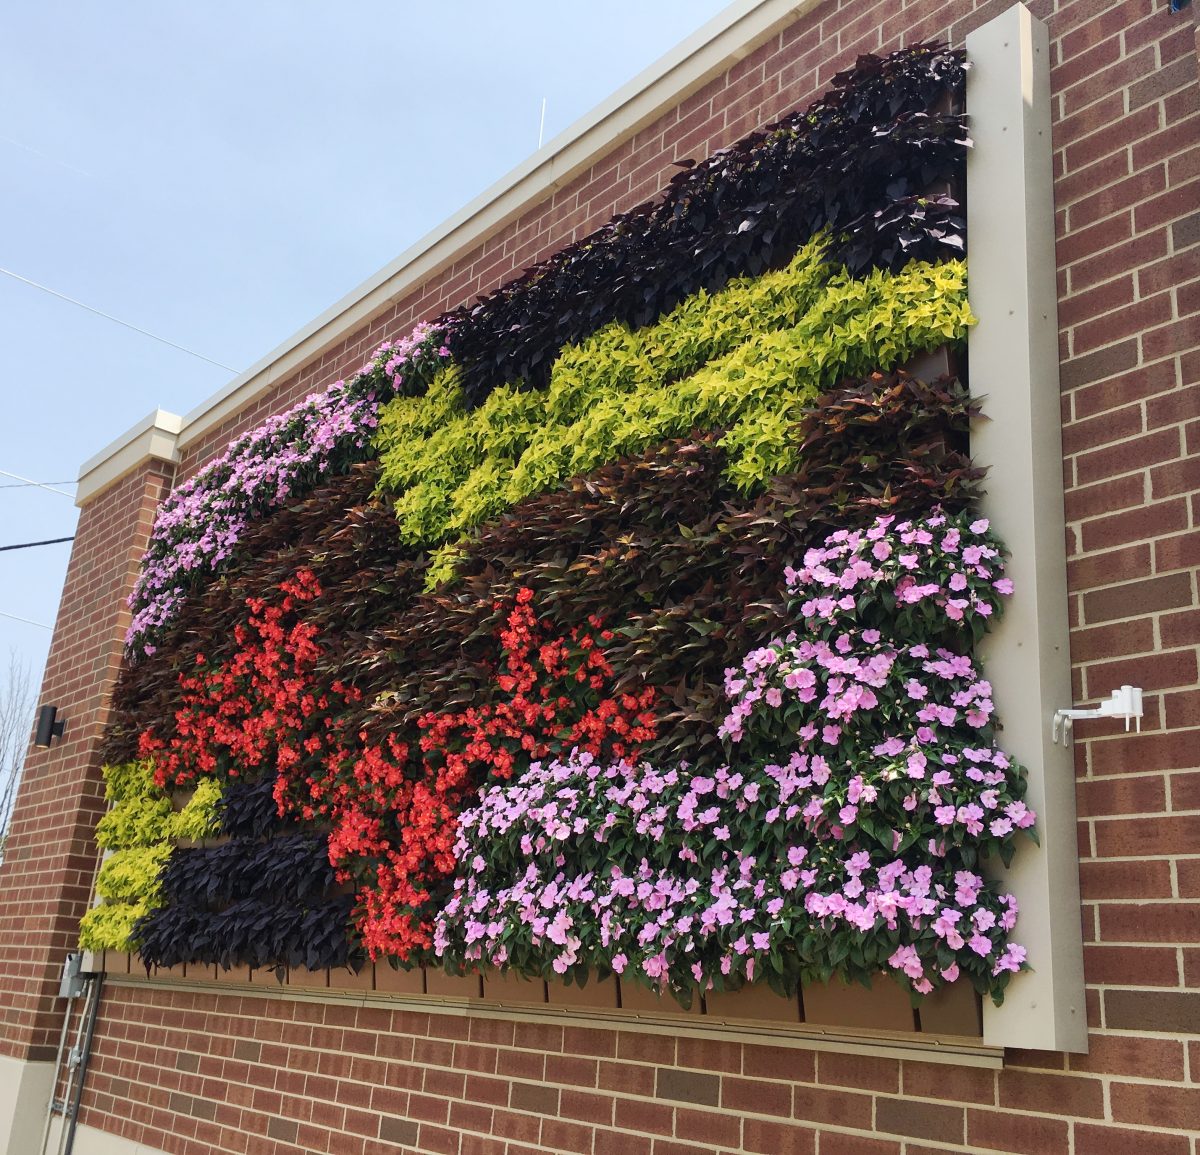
[[93, 1011], [72, 1067], [62, 1042]]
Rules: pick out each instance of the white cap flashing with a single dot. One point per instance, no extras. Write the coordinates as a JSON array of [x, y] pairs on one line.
[[156, 436]]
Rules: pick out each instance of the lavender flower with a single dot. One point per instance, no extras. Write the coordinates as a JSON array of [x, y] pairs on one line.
[[576, 867], [200, 522], [843, 839]]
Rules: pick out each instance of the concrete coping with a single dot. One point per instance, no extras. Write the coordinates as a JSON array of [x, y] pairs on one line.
[[155, 437]]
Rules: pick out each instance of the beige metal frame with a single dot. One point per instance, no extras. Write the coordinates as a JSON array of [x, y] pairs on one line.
[[1014, 370]]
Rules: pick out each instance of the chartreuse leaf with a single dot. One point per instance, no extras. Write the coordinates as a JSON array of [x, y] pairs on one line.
[[140, 830], [747, 360]]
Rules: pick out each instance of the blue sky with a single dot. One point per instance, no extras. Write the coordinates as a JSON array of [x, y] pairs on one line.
[[221, 173]]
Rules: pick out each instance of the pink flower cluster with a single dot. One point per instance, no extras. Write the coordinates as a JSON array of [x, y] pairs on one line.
[[678, 879], [905, 733], [948, 566], [200, 522], [399, 358], [845, 837]]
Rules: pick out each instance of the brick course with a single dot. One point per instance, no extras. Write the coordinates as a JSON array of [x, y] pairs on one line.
[[195, 1072], [51, 855]]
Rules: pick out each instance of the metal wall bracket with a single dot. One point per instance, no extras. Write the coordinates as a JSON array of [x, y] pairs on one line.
[[1124, 703]]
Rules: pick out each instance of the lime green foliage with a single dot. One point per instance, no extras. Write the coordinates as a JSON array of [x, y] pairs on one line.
[[746, 360], [140, 830], [110, 926], [132, 875], [198, 819], [139, 814], [443, 563]]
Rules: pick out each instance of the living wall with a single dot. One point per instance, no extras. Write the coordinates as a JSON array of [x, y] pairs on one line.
[[620, 622]]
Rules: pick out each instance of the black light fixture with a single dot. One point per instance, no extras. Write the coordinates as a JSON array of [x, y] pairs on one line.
[[48, 728]]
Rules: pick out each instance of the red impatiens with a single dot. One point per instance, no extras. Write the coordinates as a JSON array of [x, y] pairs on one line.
[[548, 697], [392, 806], [260, 710]]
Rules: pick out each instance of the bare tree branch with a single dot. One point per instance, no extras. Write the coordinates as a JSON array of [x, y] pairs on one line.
[[16, 724]]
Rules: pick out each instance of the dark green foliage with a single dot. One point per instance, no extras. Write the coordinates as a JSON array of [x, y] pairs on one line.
[[287, 870], [248, 932], [248, 809], [867, 147]]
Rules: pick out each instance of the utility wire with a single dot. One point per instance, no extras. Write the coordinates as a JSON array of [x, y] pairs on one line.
[[31, 544], [47, 156], [110, 317], [49, 488], [23, 484], [27, 621]]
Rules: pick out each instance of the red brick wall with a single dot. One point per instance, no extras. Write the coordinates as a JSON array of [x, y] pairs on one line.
[[46, 879], [193, 1072]]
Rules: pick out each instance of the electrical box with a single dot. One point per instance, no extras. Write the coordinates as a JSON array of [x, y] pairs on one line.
[[71, 985]]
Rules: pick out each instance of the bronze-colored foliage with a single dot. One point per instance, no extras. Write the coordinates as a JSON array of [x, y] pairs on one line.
[[686, 571]]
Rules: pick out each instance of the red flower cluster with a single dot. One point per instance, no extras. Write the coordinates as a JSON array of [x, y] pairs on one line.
[[548, 698], [553, 702], [261, 709], [392, 807]]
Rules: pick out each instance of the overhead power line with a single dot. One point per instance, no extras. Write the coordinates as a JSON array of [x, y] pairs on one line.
[[46, 485], [117, 320], [25, 620], [47, 156], [23, 484], [31, 544]]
